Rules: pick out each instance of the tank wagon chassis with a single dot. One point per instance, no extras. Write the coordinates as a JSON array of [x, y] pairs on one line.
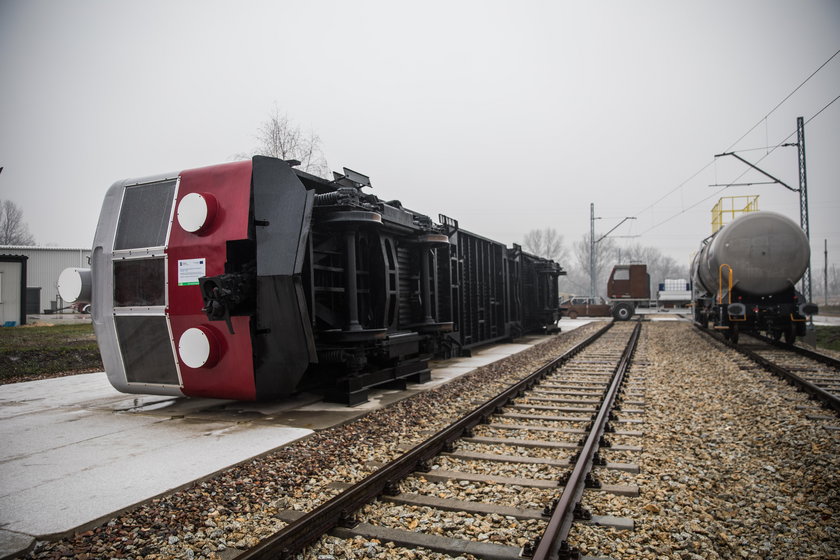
[[253, 280], [778, 315], [745, 276]]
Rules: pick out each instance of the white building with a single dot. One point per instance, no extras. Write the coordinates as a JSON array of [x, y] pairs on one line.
[[42, 269], [12, 290]]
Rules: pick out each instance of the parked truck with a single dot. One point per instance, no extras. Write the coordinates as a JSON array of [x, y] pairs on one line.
[[627, 289]]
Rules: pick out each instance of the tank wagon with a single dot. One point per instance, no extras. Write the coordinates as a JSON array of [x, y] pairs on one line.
[[253, 280], [745, 276]]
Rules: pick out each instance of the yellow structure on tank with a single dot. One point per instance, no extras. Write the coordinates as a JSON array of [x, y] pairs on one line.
[[729, 207]]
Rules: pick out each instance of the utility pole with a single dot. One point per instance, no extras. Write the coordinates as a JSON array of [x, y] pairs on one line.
[[825, 273], [592, 250], [593, 242], [803, 203]]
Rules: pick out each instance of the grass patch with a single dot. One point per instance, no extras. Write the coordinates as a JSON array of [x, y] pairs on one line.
[[28, 353], [828, 337], [831, 310]]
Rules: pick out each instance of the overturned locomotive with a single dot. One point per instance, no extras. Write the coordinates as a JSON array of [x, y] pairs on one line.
[[253, 280], [745, 278]]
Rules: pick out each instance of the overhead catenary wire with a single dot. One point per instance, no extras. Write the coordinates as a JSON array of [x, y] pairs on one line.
[[763, 119], [815, 115], [732, 183], [759, 149], [712, 161], [786, 138], [780, 103]]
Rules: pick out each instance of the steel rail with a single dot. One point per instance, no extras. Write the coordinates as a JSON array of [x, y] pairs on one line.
[[829, 399], [309, 528], [822, 358], [554, 539]]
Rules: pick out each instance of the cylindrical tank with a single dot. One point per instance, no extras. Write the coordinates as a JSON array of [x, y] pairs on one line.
[[74, 285], [767, 252]]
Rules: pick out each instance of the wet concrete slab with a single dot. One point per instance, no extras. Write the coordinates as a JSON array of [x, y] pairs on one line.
[[76, 451], [12, 544]]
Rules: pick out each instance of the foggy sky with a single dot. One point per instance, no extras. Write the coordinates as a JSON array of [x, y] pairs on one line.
[[506, 116]]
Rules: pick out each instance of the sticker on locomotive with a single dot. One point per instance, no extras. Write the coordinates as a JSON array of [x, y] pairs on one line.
[[190, 270]]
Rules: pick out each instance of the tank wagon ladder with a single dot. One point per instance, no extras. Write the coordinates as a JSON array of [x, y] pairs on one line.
[[720, 322], [727, 320], [720, 284]]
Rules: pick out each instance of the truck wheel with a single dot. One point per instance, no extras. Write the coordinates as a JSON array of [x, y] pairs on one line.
[[622, 312], [573, 315]]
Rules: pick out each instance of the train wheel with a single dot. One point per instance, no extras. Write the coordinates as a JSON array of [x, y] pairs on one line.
[[733, 334], [776, 335], [573, 315], [623, 312], [790, 334]]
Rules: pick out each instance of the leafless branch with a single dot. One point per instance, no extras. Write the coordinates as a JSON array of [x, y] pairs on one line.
[[13, 230], [281, 138]]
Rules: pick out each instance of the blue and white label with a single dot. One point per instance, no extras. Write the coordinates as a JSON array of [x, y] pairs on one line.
[[190, 270]]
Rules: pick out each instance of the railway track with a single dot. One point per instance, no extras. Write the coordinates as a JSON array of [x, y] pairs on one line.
[[506, 480], [732, 462], [812, 372]]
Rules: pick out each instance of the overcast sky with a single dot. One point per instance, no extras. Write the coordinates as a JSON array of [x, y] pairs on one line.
[[506, 116]]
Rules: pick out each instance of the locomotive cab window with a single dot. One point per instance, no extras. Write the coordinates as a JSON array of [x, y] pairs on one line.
[[146, 350], [621, 274], [144, 215], [140, 282]]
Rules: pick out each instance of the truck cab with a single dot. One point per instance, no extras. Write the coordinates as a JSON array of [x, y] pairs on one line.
[[629, 282], [627, 288]]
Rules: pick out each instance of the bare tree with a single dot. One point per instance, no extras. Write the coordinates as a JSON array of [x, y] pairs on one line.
[[546, 243], [577, 279], [13, 230], [660, 266], [281, 138], [823, 276]]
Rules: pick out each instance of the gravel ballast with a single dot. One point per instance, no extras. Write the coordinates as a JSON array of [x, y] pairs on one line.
[[731, 466]]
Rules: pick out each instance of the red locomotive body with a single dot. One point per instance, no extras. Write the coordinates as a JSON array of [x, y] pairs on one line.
[[251, 281], [227, 367]]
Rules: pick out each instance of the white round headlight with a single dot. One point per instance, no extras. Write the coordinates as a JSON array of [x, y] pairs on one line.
[[198, 348], [196, 211]]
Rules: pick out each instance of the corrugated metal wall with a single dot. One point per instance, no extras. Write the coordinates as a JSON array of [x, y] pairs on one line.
[[44, 266]]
